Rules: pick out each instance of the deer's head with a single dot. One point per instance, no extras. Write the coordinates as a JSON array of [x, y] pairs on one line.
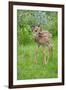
[[36, 30]]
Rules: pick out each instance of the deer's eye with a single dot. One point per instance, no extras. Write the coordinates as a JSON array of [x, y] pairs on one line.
[[35, 30]]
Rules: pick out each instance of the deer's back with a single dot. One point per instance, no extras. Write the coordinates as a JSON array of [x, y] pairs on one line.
[[43, 37]]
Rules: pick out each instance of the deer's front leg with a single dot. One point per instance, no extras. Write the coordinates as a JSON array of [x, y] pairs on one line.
[[44, 56], [36, 52]]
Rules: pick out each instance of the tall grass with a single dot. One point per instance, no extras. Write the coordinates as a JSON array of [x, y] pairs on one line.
[[27, 69]]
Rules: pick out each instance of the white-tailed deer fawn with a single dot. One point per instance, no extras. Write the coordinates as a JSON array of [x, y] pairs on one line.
[[42, 38]]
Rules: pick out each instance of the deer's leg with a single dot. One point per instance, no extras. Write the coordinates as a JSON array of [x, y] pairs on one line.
[[36, 52], [50, 51], [44, 56]]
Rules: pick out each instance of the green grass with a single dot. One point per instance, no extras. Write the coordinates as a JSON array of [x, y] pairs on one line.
[[27, 69]]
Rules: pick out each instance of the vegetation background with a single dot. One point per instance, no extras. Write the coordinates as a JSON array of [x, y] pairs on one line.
[[26, 68]]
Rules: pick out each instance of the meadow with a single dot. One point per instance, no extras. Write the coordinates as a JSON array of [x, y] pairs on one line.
[[26, 67]]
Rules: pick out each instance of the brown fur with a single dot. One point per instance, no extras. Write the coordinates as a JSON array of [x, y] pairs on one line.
[[43, 38]]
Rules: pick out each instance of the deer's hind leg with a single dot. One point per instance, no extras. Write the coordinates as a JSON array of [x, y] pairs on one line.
[[36, 53], [44, 56], [50, 48]]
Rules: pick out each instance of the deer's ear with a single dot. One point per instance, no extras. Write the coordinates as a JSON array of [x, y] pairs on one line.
[[33, 28], [38, 25], [40, 28]]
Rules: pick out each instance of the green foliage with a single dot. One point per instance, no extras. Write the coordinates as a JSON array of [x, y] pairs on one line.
[[24, 35], [28, 18], [52, 23]]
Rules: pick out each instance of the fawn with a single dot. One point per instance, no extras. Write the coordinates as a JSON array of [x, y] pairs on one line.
[[42, 38]]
